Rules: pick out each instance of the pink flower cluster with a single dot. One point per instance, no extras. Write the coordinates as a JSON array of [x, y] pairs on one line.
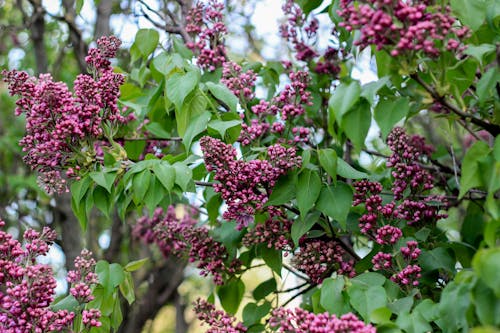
[[319, 258], [274, 232], [58, 122], [302, 321], [182, 239], [405, 161], [241, 84], [289, 104], [245, 186], [297, 32], [302, 34], [381, 222], [205, 24], [219, 321], [294, 96], [83, 277], [403, 27], [27, 287]]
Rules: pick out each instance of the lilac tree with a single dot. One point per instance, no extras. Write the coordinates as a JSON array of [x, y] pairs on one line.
[[230, 166]]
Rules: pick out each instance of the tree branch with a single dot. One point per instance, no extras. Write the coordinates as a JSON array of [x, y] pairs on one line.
[[492, 128]]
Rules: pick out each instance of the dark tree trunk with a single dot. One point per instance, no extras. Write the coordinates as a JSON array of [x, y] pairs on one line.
[[162, 289], [75, 36], [104, 11], [71, 233]]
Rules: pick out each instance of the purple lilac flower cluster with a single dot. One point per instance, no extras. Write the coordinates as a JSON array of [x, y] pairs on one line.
[[274, 232], [245, 186], [319, 258], [205, 24], [302, 34], [181, 238], [219, 321], [287, 106], [297, 31], [302, 321], [27, 287], [382, 222], [403, 27], [58, 122], [240, 83], [82, 278]]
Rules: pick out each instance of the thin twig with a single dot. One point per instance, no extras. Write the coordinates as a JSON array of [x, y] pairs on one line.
[[200, 183], [302, 292], [492, 128], [291, 270], [291, 289]]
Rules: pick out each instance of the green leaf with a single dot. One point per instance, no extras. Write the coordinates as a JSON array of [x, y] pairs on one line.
[[356, 122], [79, 188], [309, 5], [479, 51], [140, 185], [165, 173], [301, 226], [308, 189], [369, 279], [336, 202], [180, 47], [413, 323], [388, 112], [227, 234], [283, 191], [253, 313], [332, 298], [104, 179], [78, 6], [272, 258], [194, 105], [369, 90], [487, 306], [328, 160], [470, 175], [347, 171], [102, 271], [401, 305], [342, 100], [127, 287], [381, 316], [179, 86], [155, 194], [222, 126], [197, 126], [183, 175], [146, 41], [116, 274], [157, 130], [135, 265], [366, 300], [134, 149], [223, 95], [116, 315], [470, 12], [438, 258], [264, 289], [102, 200], [487, 84], [486, 263], [67, 303], [453, 305], [231, 294]]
